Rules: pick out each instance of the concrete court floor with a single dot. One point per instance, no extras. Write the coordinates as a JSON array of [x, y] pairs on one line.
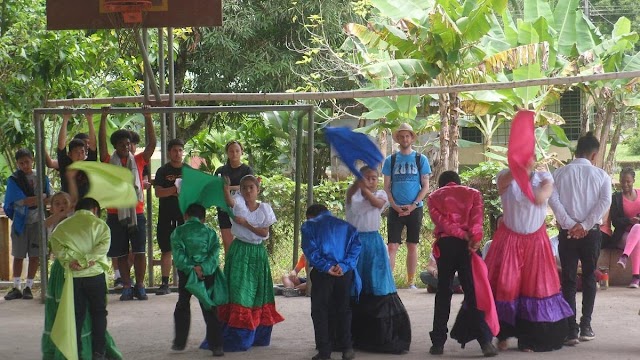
[[144, 330]]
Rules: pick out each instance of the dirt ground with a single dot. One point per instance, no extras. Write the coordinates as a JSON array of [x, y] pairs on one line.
[[144, 330]]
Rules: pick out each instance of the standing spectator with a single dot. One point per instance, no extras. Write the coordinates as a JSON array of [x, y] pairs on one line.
[[406, 182], [169, 215], [581, 196], [128, 225], [457, 213], [251, 313], [380, 321], [196, 249], [79, 150], [80, 244], [21, 206], [332, 247], [625, 217], [235, 170]]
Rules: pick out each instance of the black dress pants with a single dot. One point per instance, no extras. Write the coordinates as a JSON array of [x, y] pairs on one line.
[[330, 296], [182, 315], [91, 293]]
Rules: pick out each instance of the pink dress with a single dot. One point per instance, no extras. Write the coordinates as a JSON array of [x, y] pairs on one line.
[[523, 276]]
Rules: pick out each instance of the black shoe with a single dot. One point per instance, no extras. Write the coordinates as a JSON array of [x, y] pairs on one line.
[[26, 293], [163, 290], [586, 333], [436, 350], [319, 356], [571, 340], [118, 283], [218, 351], [348, 355], [127, 294], [140, 293], [14, 294], [488, 350], [175, 347]]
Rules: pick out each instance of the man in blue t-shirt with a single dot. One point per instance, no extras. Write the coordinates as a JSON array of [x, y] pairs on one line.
[[406, 181]]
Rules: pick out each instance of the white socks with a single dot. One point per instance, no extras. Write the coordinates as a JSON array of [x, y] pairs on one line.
[[16, 282], [116, 274], [29, 283]]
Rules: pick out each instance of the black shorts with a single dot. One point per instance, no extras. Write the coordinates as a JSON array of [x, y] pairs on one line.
[[396, 223], [163, 232], [224, 221], [121, 236]]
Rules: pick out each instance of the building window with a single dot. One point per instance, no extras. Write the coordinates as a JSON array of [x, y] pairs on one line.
[[471, 134]]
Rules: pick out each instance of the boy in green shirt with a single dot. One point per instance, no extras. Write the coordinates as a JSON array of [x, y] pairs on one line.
[[196, 252]]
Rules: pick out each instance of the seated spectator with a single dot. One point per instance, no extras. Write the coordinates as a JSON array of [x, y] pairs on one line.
[[292, 280], [625, 217], [430, 278]]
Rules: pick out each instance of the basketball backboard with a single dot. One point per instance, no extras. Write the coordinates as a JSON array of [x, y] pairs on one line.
[[91, 14]]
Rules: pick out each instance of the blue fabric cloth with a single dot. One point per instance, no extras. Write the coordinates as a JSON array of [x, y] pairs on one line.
[[242, 339], [405, 180], [373, 265], [18, 213], [352, 146], [329, 241]]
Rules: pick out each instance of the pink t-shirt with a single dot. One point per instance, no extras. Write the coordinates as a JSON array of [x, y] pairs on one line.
[[631, 208]]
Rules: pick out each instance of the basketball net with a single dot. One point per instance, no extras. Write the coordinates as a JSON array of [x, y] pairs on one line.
[[127, 17]]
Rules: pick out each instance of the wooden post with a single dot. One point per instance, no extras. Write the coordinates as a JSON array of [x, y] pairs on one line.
[[5, 248]]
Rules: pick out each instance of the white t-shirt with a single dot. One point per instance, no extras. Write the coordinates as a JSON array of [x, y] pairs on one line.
[[520, 214], [361, 214], [261, 217]]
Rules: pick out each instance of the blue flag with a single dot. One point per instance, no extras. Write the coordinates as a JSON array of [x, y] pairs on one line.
[[352, 146]]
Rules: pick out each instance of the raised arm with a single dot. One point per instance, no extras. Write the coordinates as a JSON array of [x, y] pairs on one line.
[[62, 134], [92, 132], [543, 192], [150, 136], [51, 164], [372, 198], [102, 135]]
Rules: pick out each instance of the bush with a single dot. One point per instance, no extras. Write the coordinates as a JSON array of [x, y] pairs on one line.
[[633, 143]]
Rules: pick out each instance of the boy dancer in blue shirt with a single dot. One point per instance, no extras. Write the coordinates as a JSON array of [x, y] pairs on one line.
[[332, 247]]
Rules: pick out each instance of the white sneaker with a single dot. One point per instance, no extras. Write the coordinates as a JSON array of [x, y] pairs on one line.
[[413, 287]]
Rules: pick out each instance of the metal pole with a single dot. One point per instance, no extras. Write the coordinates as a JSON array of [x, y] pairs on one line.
[[147, 65], [145, 76], [162, 83], [172, 84], [40, 186], [177, 109], [296, 215], [311, 140]]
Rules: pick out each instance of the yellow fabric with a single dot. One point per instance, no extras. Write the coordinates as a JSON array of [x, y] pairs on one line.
[[110, 185], [63, 332], [85, 238]]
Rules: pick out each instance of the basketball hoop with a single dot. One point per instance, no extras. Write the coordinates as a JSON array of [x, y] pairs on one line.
[[132, 10], [127, 17]]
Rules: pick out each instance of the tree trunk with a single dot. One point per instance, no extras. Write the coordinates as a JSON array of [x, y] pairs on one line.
[[443, 109], [454, 131], [615, 138], [605, 118], [584, 123]]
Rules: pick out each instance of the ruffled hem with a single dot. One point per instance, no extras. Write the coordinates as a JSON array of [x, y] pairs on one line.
[[381, 324], [242, 339], [536, 336], [238, 316], [550, 309]]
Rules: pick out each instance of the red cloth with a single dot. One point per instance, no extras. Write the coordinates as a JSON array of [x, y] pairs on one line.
[[456, 210], [521, 150], [484, 295], [522, 265], [249, 318]]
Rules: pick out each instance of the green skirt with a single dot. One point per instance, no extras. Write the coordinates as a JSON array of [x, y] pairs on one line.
[[251, 300], [54, 292]]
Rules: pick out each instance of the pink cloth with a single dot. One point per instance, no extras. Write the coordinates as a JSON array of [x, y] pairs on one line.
[[521, 150], [456, 210], [630, 208], [484, 295]]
